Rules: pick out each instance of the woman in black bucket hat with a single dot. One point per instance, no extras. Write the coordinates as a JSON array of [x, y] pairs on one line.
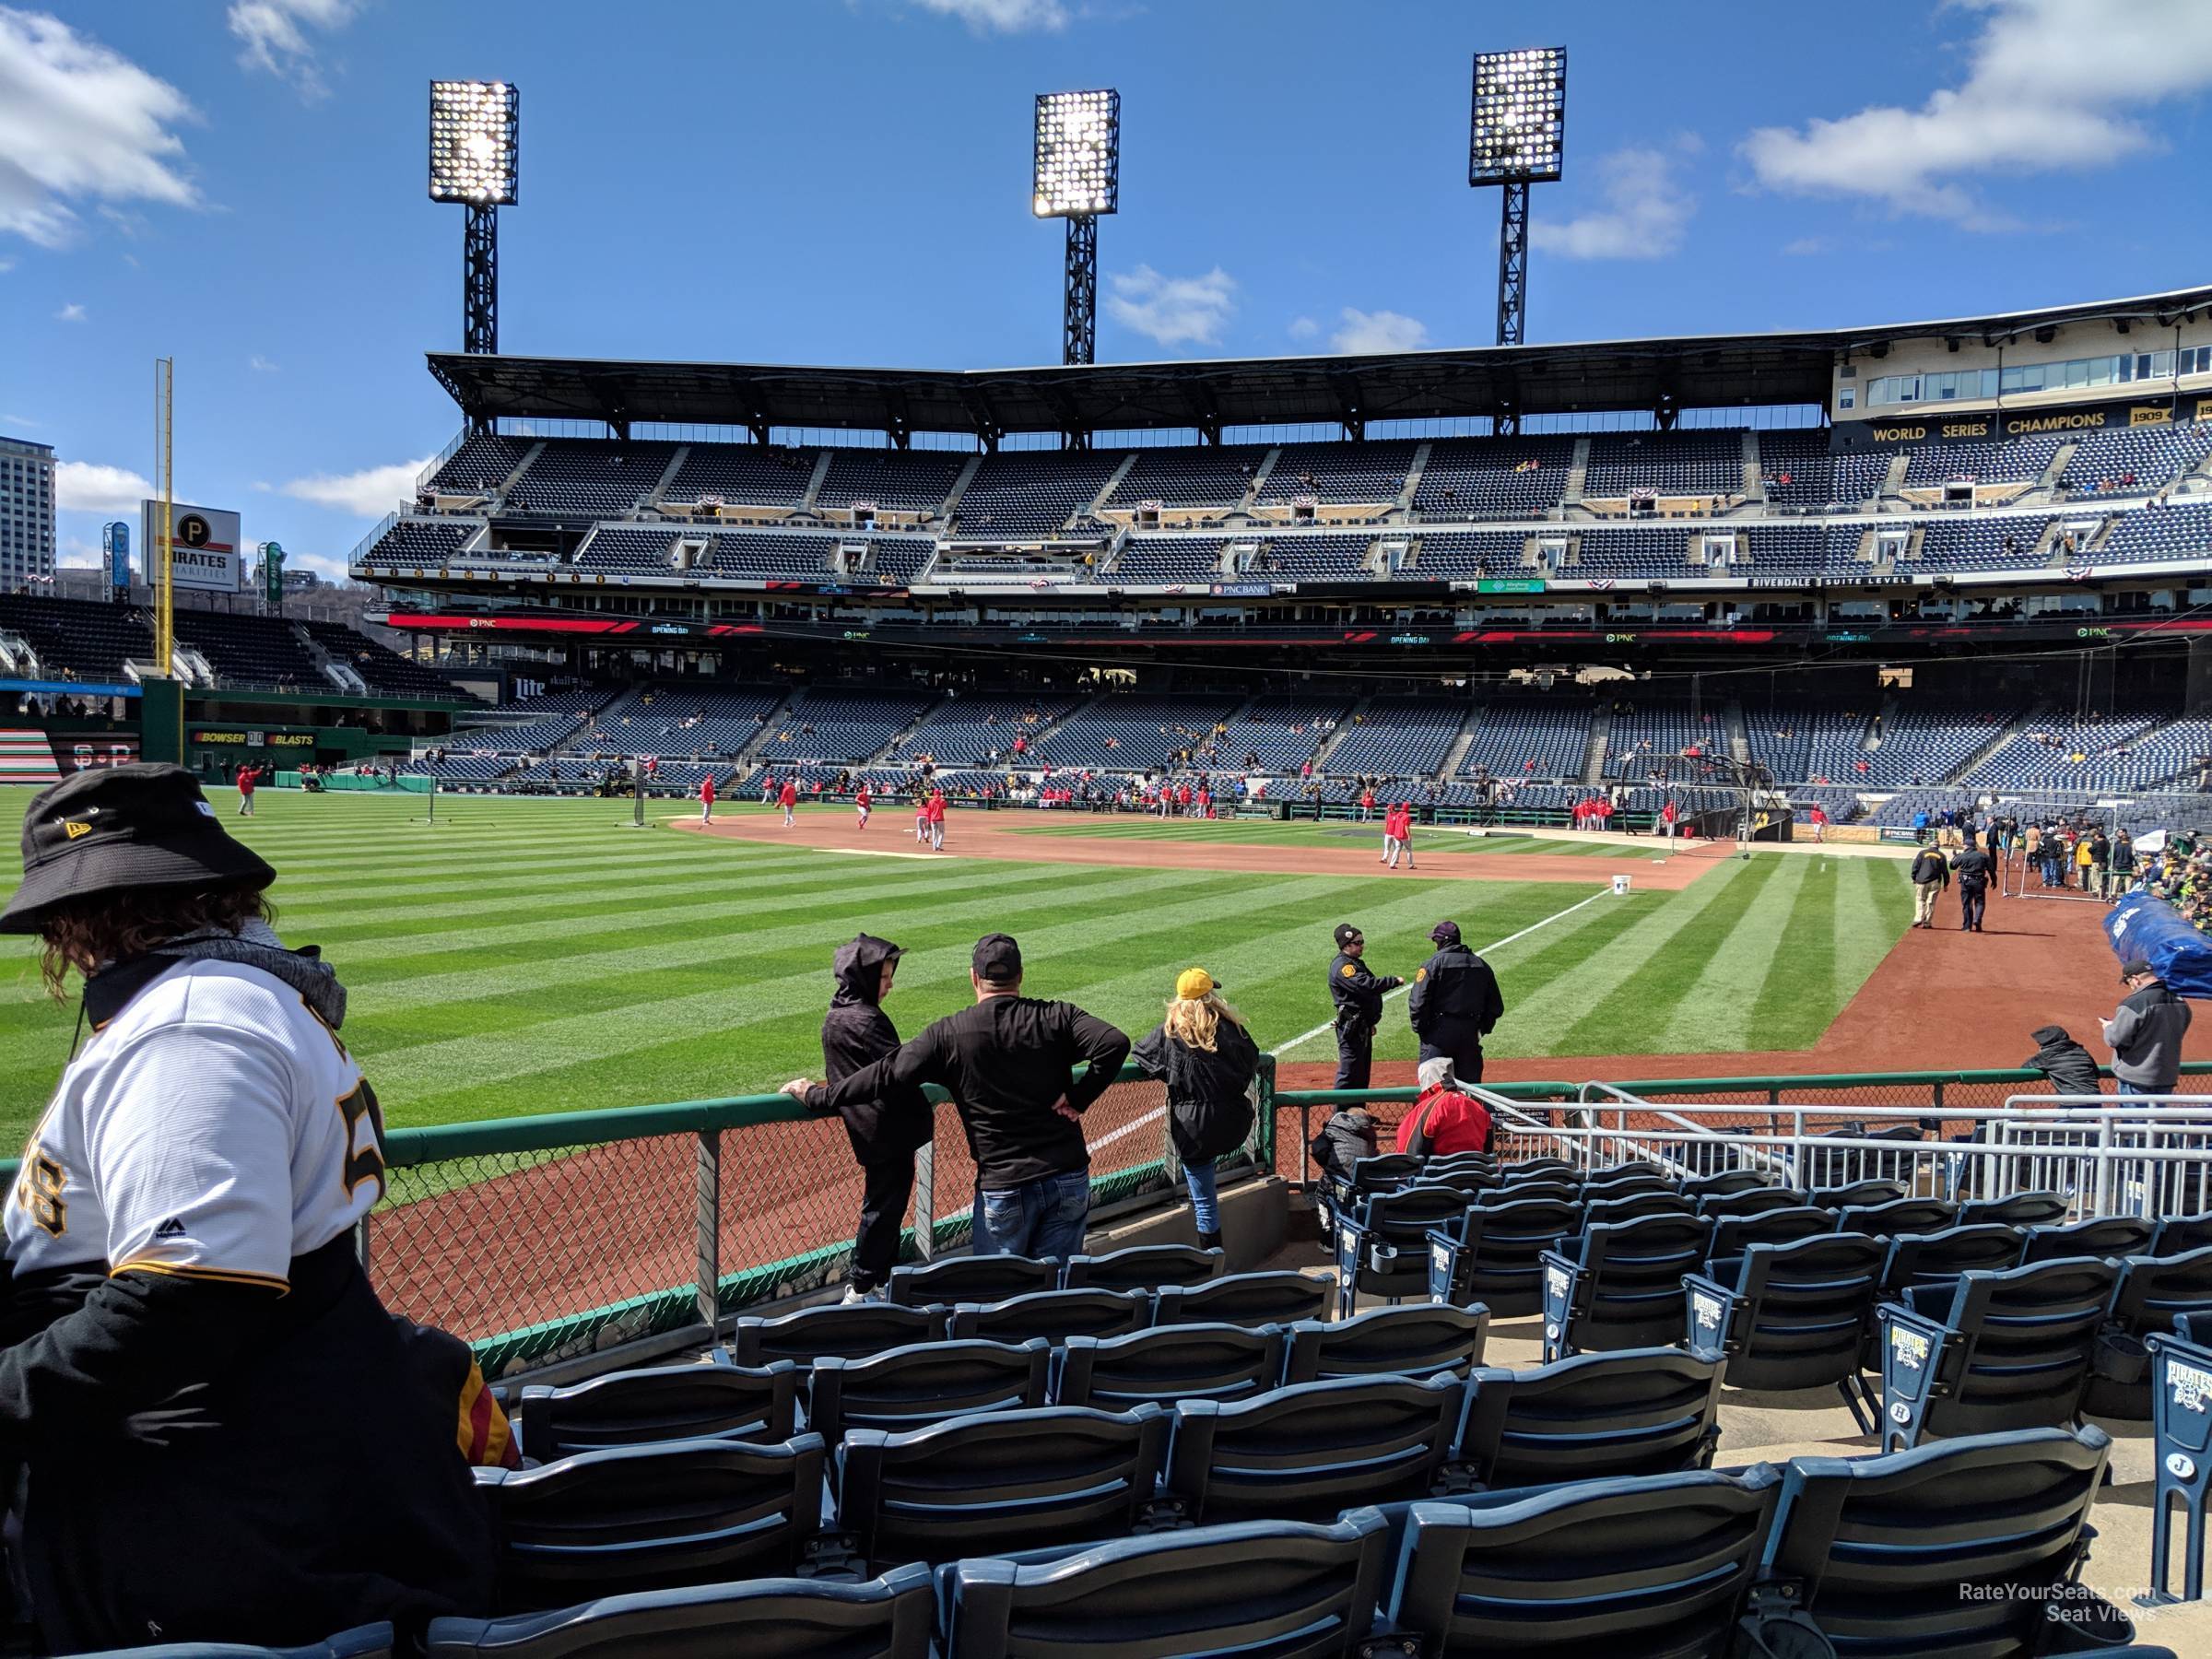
[[225, 1434]]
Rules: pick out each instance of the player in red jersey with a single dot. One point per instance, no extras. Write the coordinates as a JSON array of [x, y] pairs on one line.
[[706, 799], [789, 800], [861, 803]]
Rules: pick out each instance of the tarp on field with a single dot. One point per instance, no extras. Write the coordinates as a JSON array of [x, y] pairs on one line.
[[2152, 929]]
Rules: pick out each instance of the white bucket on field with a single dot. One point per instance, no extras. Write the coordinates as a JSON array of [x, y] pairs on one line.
[[1621, 886]]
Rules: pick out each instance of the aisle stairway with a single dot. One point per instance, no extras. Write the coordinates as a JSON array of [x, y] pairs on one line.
[[27, 757]]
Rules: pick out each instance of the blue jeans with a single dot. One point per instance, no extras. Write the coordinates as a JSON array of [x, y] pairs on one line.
[[1205, 1203], [1040, 1217], [2136, 1089]]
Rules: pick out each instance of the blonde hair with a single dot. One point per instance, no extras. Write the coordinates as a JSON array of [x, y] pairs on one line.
[[1195, 1022]]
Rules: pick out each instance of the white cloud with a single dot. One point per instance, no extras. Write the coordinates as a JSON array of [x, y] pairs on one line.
[[71, 312], [278, 37], [89, 487], [1304, 328], [1805, 246], [1173, 310], [79, 121], [261, 365], [1002, 16], [6, 265], [1378, 331], [1645, 215], [78, 554], [370, 493], [2048, 87]]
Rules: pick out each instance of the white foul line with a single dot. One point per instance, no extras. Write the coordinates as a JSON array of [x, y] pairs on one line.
[[1160, 1112]]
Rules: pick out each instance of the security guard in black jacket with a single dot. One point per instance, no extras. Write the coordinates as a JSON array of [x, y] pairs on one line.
[[1359, 998], [1973, 869], [1453, 1003]]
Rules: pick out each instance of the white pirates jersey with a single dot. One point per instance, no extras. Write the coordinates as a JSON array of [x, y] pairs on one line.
[[214, 1127]]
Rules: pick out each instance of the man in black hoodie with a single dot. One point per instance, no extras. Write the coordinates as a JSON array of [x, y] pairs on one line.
[[2071, 1068], [886, 1130]]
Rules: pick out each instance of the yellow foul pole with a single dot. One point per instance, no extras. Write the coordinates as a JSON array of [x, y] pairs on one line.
[[165, 624]]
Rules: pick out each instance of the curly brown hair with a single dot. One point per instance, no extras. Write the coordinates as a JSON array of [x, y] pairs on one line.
[[121, 926]]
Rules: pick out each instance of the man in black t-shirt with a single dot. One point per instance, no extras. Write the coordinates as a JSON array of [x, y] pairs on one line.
[[1009, 1061]]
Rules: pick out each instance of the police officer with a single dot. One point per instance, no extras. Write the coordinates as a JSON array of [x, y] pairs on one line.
[[1453, 1003], [1972, 869], [1359, 998]]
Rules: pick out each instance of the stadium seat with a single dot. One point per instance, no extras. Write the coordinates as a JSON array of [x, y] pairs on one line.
[[715, 1401], [1378, 1174], [1876, 1548], [1655, 1566], [654, 1517], [909, 1387], [1254, 1587], [1856, 1192], [2177, 1235], [1496, 1256], [1624, 1179], [1383, 1245], [1537, 1169], [1613, 1211], [1055, 1315], [2181, 1398], [1938, 1258], [365, 1641], [1736, 1234], [1251, 1300], [988, 1485], [2153, 1295], [1306, 1452], [1756, 1201], [1621, 1286], [1895, 1216], [1790, 1316], [1423, 1340], [971, 1279], [889, 1618], [1168, 1363], [2021, 1209], [1143, 1267], [851, 1332], [1999, 1350], [2099, 1236], [1641, 1411], [1728, 1183], [1553, 1189]]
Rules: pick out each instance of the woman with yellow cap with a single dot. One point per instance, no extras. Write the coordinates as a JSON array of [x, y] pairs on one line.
[[1208, 1059]]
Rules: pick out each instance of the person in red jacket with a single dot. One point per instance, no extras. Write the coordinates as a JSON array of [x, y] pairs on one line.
[[706, 799], [789, 800], [1818, 819], [1367, 805], [249, 779], [861, 803], [1397, 829], [1443, 1120], [937, 820]]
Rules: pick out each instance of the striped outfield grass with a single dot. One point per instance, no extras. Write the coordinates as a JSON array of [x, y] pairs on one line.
[[536, 956], [1335, 833]]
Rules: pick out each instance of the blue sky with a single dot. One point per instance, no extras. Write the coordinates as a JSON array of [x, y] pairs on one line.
[[239, 183]]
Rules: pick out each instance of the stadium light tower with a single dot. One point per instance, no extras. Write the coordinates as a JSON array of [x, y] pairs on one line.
[[473, 155], [1516, 139], [1078, 154]]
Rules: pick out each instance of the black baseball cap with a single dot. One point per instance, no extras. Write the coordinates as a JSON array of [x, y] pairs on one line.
[[1445, 932], [998, 958], [2135, 965], [1345, 933], [123, 828]]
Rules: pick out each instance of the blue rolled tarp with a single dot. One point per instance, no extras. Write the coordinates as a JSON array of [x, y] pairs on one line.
[[2140, 925]]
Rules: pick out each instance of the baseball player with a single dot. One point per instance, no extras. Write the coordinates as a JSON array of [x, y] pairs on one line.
[[920, 816], [706, 799], [1390, 832], [1358, 995], [768, 789], [861, 803], [225, 1433], [249, 779], [936, 810], [789, 800]]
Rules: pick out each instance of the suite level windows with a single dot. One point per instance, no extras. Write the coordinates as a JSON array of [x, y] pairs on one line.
[[1967, 384]]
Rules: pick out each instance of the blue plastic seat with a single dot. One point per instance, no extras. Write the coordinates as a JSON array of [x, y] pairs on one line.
[[1306, 1452], [2020, 1210], [1168, 1363], [1055, 1315], [1621, 1286], [365, 1641], [1756, 1201], [2099, 1236], [893, 1616], [1383, 1246], [1427, 1340], [1732, 1235], [1657, 1566], [1996, 1351], [1644, 1411], [714, 1401], [971, 1279], [1249, 1299], [654, 1517], [1895, 1216], [1919, 1259], [1790, 1316], [850, 1331], [911, 1387], [1142, 1267], [1494, 1256], [989, 1484], [1271, 1588], [2153, 1296], [1874, 1549]]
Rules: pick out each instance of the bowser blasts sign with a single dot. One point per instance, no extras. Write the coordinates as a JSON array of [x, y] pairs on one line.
[[206, 554]]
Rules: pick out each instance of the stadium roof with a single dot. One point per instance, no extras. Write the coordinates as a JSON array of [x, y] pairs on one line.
[[1692, 372]]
